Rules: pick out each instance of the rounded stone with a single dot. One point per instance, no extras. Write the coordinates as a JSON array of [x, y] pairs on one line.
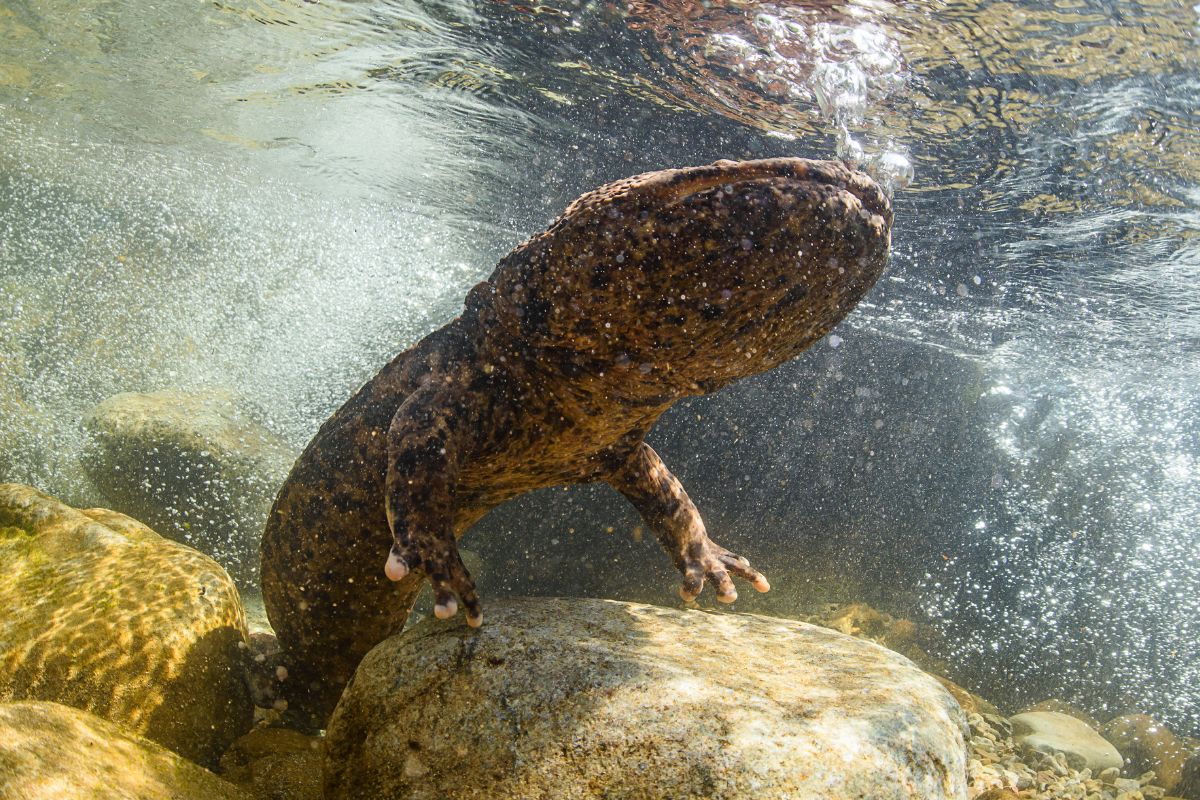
[[275, 763], [573, 698], [1189, 778], [1063, 707], [117, 620], [1053, 732], [50, 752], [1149, 745], [197, 467]]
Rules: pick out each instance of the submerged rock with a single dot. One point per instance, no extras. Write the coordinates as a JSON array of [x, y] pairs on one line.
[[53, 752], [275, 764], [1053, 732], [998, 794], [1148, 745], [970, 702], [1189, 779], [1063, 707], [108, 616], [1001, 769], [195, 466], [567, 698]]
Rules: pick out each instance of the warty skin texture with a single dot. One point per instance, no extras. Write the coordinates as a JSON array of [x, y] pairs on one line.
[[646, 290]]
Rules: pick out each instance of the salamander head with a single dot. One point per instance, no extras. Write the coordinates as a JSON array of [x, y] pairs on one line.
[[688, 279]]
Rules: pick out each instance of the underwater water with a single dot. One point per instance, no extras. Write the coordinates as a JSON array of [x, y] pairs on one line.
[[273, 198]]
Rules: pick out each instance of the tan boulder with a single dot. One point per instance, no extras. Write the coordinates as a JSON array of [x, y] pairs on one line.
[[1148, 745], [275, 764], [50, 751], [572, 698], [108, 616], [1188, 787], [196, 466]]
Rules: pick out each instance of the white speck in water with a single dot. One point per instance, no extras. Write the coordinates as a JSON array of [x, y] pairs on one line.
[[834, 341]]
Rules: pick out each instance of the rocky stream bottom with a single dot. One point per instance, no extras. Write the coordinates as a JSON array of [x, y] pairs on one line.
[[129, 669]]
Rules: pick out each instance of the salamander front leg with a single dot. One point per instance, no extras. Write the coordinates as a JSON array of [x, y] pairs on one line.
[[424, 445], [668, 511]]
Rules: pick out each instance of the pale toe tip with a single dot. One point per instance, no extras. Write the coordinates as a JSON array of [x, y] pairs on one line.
[[395, 568]]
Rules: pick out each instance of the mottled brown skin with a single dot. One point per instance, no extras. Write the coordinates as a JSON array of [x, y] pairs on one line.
[[644, 291]]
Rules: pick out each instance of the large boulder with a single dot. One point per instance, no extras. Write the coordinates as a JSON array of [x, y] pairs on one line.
[[53, 752], [570, 698], [198, 467], [108, 616], [1148, 745]]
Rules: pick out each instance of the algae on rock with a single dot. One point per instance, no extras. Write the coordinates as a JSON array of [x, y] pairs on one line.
[[108, 616]]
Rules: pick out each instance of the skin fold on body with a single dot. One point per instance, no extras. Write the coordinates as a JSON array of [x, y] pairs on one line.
[[647, 290]]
